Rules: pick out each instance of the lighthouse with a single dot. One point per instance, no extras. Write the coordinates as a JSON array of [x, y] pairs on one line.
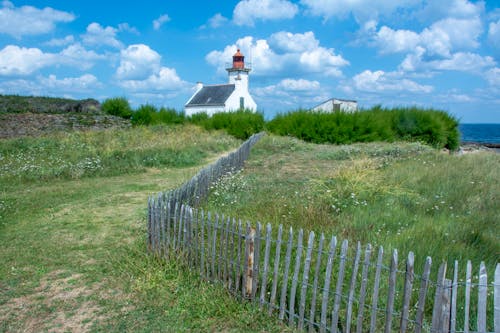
[[229, 97]]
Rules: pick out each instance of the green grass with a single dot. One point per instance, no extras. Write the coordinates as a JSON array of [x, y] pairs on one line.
[[395, 195], [73, 244]]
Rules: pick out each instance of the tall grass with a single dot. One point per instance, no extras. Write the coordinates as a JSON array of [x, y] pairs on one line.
[[395, 195], [433, 127], [106, 153]]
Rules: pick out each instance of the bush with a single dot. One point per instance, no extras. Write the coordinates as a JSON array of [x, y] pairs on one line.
[[117, 106], [433, 127], [144, 115], [149, 115], [240, 124]]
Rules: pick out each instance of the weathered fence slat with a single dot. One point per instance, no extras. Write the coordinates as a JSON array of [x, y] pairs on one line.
[[226, 256], [482, 293], [295, 279], [284, 286], [163, 221], [263, 288], [256, 262], [407, 292], [376, 285], [445, 306], [169, 223], [220, 250], [246, 285], [312, 313], [496, 301], [338, 289], [438, 306], [174, 222], [468, 284], [424, 283], [391, 292], [276, 269], [238, 260], [214, 246], [180, 229], [202, 252], [362, 291], [149, 229], [232, 273], [453, 314], [326, 287], [352, 287], [305, 280]]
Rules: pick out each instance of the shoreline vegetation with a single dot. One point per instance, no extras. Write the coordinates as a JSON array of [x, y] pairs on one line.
[[73, 203]]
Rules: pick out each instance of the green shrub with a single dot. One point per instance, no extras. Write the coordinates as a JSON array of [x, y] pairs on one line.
[[240, 124], [169, 116], [144, 115], [433, 127], [117, 106]]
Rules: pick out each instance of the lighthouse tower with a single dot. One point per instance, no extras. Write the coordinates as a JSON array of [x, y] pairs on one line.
[[229, 97]]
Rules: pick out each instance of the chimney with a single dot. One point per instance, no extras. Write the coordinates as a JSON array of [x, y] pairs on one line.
[[199, 86]]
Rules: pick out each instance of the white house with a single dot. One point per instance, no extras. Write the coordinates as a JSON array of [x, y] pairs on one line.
[[336, 104], [224, 97]]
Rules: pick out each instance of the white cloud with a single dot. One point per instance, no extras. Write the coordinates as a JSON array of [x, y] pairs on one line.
[[126, 27], [28, 20], [217, 20], [70, 39], [140, 70], [291, 93], [289, 42], [494, 34], [76, 55], [441, 38], [460, 61], [493, 77], [15, 60], [160, 20], [98, 35], [283, 55], [138, 62], [434, 10], [86, 82], [164, 79], [247, 11], [380, 81], [47, 86], [362, 10]]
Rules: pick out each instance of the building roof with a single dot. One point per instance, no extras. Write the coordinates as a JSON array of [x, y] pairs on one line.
[[212, 95]]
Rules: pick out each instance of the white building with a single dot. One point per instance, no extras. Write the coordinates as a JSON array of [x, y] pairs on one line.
[[224, 97], [336, 104]]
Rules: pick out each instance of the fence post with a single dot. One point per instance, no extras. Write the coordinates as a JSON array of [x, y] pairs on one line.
[[482, 292], [438, 306], [249, 256], [496, 293]]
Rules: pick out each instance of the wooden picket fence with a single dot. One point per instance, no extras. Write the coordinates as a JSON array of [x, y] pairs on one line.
[[323, 285]]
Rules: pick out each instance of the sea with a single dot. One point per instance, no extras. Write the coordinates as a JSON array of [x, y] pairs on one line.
[[480, 133]]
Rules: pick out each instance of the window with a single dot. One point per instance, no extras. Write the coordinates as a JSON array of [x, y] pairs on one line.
[[242, 103]]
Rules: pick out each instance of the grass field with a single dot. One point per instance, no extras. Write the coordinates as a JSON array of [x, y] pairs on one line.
[[395, 195], [72, 236]]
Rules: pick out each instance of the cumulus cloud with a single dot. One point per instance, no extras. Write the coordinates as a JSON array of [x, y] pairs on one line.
[[86, 82], [362, 10], [217, 20], [140, 70], [28, 20], [247, 12], [15, 60], [21, 61], [70, 39], [160, 20], [460, 61], [441, 38], [47, 85], [291, 92], [137, 62], [128, 28], [98, 35], [380, 81], [284, 54], [494, 34], [493, 77]]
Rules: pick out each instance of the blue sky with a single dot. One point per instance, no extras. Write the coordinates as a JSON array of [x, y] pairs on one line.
[[439, 54]]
